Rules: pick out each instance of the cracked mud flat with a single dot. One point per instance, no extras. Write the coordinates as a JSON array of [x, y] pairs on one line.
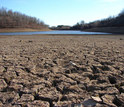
[[62, 71]]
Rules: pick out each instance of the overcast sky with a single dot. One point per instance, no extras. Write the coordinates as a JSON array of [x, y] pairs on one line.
[[66, 12]]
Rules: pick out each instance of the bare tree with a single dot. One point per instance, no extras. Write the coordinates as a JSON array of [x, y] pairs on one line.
[[10, 19]]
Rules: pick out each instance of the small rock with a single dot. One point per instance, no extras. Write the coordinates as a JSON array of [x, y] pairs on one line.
[[97, 99], [72, 63]]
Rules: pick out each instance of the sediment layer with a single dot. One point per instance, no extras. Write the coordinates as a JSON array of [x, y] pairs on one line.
[[62, 71]]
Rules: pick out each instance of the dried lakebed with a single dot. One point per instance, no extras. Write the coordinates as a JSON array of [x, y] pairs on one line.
[[62, 71]]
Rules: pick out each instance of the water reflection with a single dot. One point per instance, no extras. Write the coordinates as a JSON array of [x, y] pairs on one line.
[[53, 32]]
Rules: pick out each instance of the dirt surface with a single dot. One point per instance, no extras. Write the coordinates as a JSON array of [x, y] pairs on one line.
[[22, 30], [62, 71]]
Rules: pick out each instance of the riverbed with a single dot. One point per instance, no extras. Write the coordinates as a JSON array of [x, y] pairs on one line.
[[62, 70]]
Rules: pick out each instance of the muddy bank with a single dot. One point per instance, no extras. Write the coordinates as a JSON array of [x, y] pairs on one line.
[[22, 30], [54, 70]]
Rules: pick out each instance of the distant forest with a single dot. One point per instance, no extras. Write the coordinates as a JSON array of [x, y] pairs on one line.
[[117, 21], [10, 19]]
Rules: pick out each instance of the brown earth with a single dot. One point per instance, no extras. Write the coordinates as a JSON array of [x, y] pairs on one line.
[[62, 71], [22, 30]]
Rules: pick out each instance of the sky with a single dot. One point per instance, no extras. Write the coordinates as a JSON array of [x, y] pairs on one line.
[[65, 12]]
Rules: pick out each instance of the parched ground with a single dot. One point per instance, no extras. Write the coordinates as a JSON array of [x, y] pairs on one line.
[[3, 30], [62, 71]]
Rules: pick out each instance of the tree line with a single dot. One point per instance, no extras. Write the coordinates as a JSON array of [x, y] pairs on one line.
[[10, 19], [117, 21]]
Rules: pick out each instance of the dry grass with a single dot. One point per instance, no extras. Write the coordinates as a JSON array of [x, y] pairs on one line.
[[22, 30]]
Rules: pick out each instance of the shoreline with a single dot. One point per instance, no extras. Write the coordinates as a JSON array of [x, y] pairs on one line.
[[67, 35], [7, 30]]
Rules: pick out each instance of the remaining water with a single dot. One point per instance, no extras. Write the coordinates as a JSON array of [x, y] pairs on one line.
[[53, 32]]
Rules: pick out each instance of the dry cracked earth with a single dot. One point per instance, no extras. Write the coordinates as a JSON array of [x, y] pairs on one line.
[[62, 71]]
